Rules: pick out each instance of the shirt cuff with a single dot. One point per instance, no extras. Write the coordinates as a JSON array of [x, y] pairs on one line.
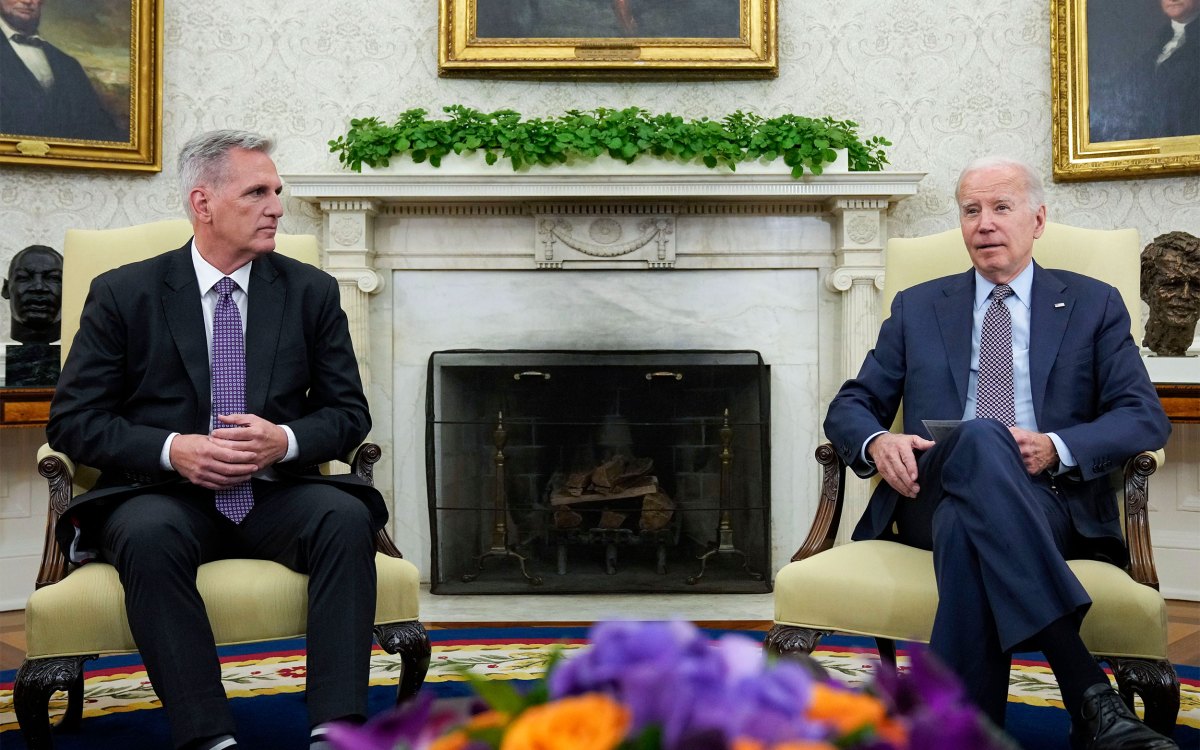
[[293, 447], [1066, 459], [865, 457], [164, 458]]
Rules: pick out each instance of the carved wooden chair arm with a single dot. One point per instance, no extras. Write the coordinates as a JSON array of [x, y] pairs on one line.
[[362, 464], [1137, 519], [59, 472], [829, 508]]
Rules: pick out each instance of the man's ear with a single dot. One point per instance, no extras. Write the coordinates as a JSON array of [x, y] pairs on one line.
[[4, 290], [198, 200]]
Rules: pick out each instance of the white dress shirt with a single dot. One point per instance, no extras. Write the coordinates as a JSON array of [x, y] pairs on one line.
[[33, 56], [1178, 35]]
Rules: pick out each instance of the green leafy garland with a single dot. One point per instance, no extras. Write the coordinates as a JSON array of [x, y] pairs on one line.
[[625, 134]]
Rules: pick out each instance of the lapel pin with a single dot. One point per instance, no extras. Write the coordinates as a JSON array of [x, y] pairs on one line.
[[1060, 304]]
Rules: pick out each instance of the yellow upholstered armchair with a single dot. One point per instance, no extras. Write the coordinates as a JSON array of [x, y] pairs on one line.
[[78, 614], [887, 590]]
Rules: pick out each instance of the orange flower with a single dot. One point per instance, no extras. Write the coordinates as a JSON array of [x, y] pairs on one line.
[[453, 741], [584, 722], [458, 739], [487, 720], [844, 710], [847, 712]]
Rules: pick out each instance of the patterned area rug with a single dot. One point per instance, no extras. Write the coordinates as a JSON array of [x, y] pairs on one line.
[[120, 706]]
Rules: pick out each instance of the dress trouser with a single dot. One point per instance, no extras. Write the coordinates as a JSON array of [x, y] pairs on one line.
[[1000, 538], [157, 541]]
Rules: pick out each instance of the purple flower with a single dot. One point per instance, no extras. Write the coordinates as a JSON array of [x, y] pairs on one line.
[[932, 702], [414, 724], [770, 706], [698, 692]]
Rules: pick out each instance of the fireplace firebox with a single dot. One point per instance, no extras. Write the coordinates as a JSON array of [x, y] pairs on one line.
[[598, 471]]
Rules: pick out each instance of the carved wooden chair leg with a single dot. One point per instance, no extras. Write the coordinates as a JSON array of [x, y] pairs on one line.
[[37, 680], [74, 713], [411, 642], [887, 653], [783, 640], [1158, 685]]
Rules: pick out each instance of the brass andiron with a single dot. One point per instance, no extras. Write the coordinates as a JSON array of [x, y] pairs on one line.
[[500, 546], [725, 528]]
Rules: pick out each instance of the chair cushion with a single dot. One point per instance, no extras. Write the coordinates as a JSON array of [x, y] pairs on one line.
[[887, 590], [247, 601]]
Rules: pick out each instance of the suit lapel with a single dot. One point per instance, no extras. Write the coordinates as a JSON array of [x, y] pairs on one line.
[[185, 320], [954, 315], [264, 319], [1049, 311]]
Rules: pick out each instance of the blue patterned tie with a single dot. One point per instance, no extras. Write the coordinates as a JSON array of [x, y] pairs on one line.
[[994, 396], [229, 387]]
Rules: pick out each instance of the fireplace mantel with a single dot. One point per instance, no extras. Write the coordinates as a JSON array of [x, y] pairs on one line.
[[663, 218], [420, 184]]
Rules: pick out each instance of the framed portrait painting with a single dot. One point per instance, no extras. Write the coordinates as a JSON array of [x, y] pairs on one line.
[[81, 83], [1126, 88], [608, 39]]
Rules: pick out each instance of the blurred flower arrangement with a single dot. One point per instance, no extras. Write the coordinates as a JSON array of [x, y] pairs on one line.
[[667, 686]]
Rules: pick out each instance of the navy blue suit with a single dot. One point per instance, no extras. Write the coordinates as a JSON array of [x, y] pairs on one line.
[[1000, 537]]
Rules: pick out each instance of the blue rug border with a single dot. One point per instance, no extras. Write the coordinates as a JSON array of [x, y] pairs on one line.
[[551, 632]]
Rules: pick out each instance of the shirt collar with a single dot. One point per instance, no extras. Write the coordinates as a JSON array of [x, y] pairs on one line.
[[1179, 27], [9, 31], [1022, 287], [208, 276]]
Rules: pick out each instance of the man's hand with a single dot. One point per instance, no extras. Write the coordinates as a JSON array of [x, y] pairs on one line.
[[229, 455], [895, 459], [210, 463], [266, 441], [1037, 450]]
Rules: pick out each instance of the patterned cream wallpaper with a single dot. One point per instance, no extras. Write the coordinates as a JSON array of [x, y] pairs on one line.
[[945, 81]]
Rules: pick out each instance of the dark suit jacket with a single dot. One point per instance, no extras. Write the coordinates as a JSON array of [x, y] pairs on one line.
[[1172, 105], [138, 370], [69, 109], [1088, 382]]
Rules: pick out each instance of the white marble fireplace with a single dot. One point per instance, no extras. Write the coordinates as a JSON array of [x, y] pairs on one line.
[[655, 258]]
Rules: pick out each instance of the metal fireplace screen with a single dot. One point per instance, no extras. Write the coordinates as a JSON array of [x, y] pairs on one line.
[[605, 472]]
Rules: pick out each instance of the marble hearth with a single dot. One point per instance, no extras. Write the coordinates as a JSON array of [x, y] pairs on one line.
[[484, 258]]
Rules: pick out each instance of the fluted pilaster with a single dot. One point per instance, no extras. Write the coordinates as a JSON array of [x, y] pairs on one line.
[[349, 241], [860, 231]]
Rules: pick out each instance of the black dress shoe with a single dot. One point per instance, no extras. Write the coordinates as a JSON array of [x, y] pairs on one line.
[[1106, 723]]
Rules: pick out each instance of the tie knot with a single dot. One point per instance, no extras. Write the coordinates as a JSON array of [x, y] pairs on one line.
[[31, 41], [225, 286], [1000, 292]]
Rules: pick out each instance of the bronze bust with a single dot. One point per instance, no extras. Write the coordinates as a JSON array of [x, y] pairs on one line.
[[1171, 286], [33, 289]]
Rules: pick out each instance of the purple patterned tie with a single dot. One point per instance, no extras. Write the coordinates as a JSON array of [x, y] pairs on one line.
[[229, 387], [994, 396]]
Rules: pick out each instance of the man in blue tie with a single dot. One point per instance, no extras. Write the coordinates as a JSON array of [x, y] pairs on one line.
[[1040, 366], [206, 384]]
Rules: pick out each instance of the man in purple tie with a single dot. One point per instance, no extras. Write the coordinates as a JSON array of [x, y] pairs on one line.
[[1040, 367], [206, 384]]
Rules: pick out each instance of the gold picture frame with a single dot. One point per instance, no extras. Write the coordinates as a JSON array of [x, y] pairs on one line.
[[1115, 113], [115, 48], [608, 39]]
